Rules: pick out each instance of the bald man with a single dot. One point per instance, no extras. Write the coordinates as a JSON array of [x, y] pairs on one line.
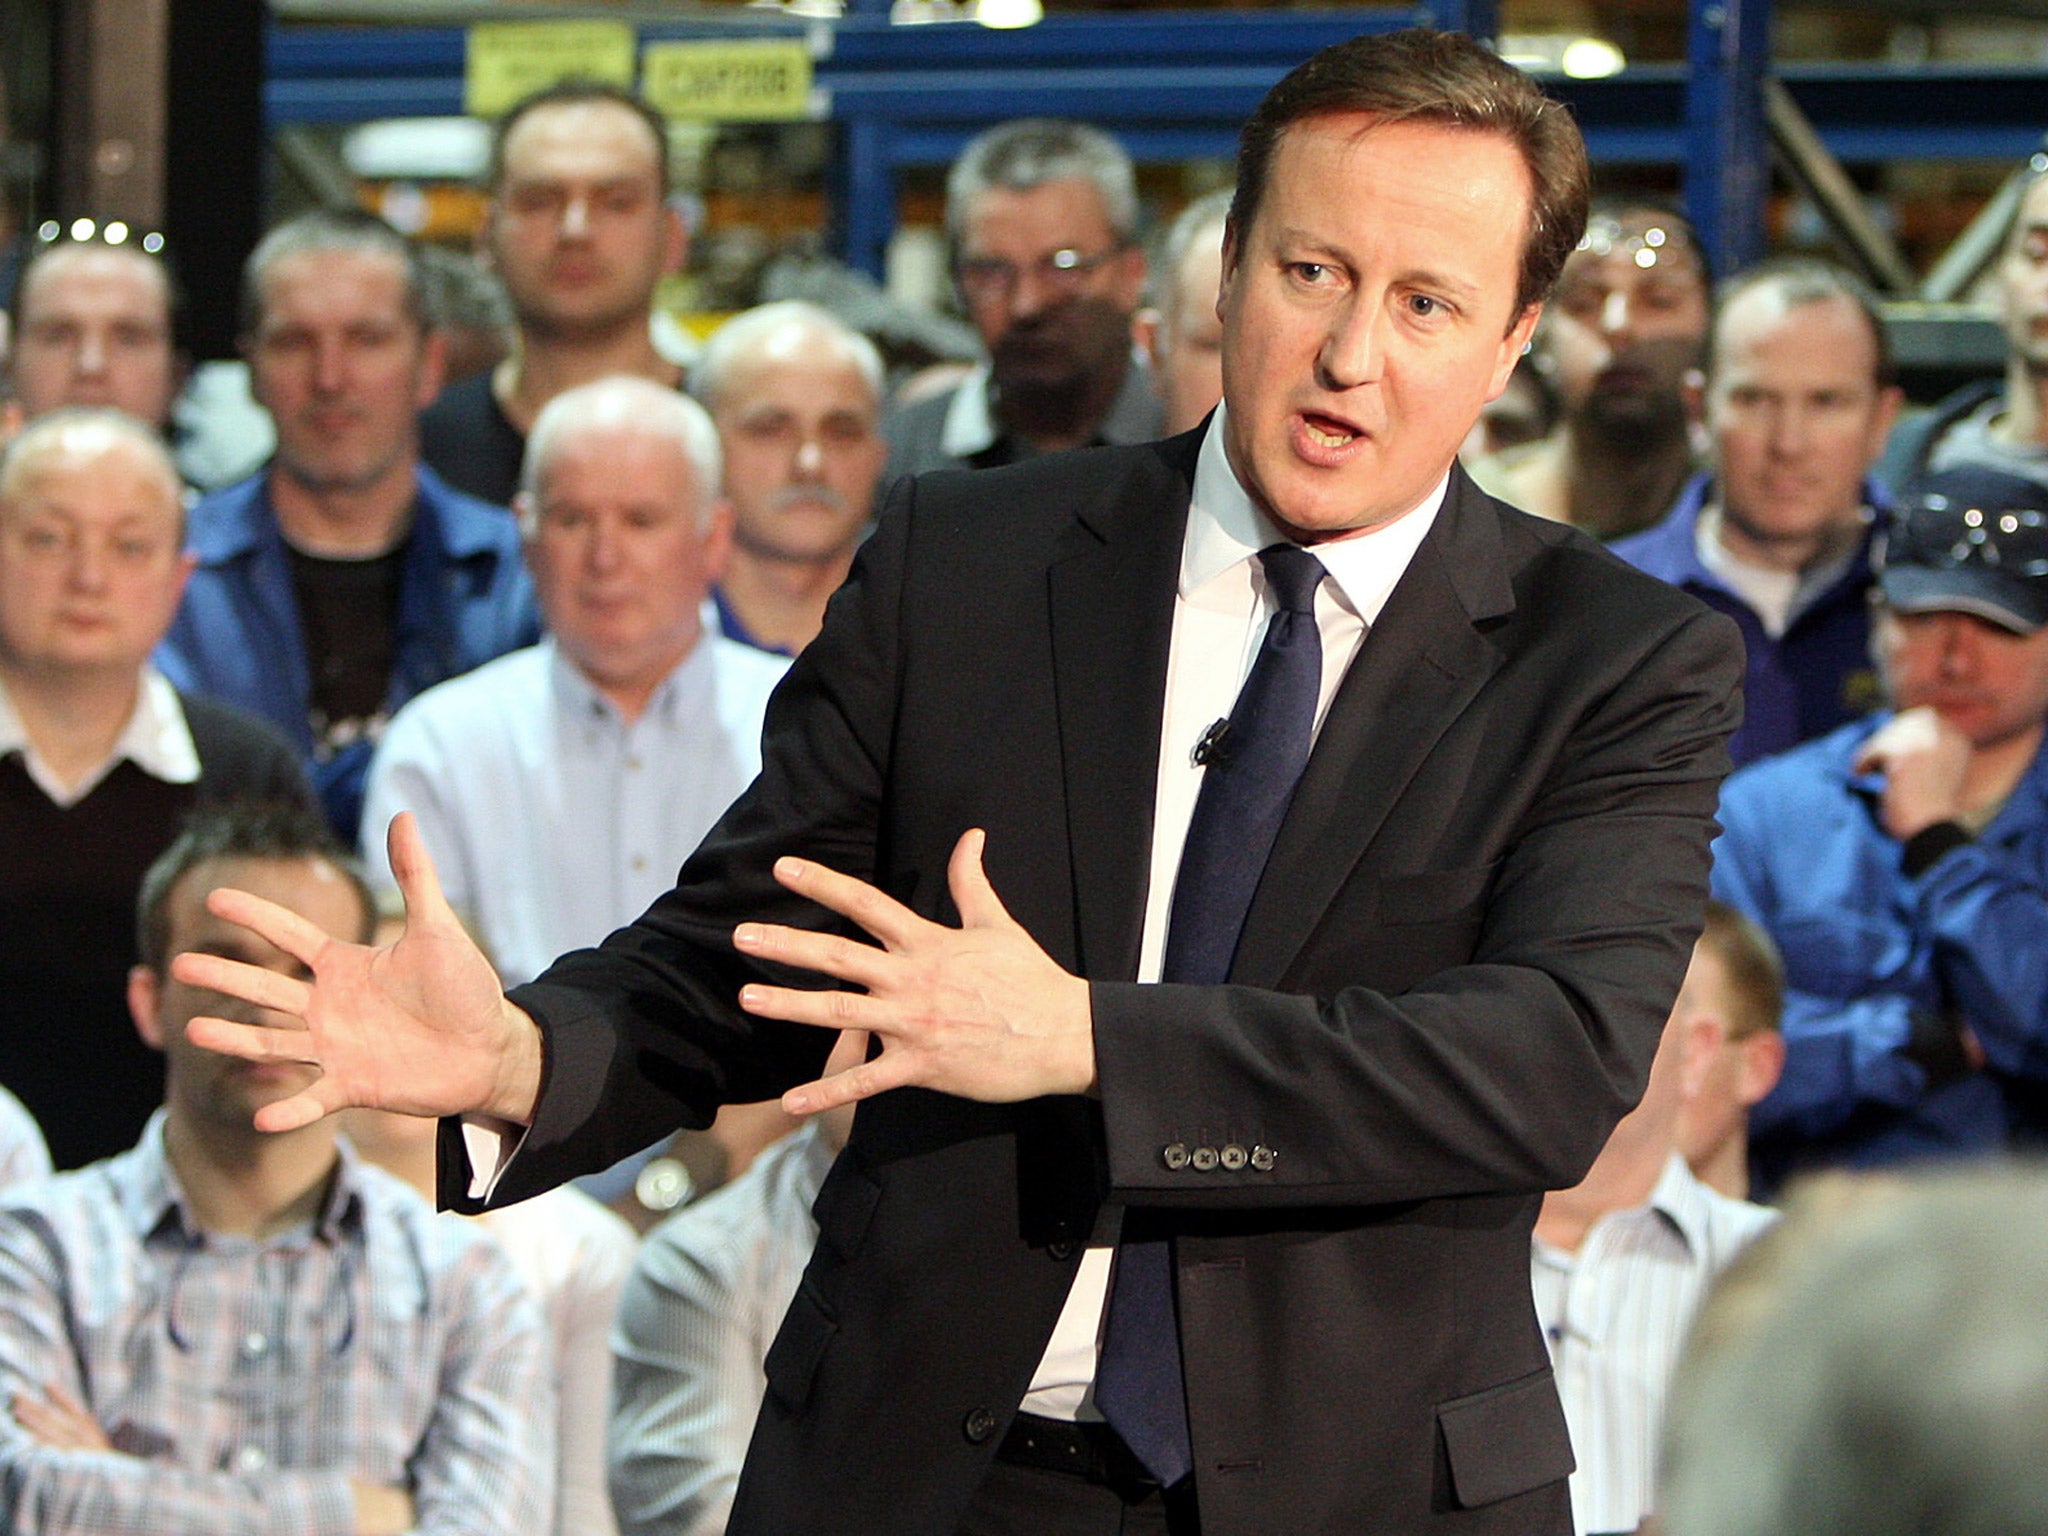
[[1181, 332], [100, 760]]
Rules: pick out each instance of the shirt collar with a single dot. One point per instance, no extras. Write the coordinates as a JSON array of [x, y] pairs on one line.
[[580, 698], [156, 739], [1681, 1199], [1226, 527], [147, 1190]]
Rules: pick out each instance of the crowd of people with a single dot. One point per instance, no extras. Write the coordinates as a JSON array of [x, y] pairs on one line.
[[544, 608]]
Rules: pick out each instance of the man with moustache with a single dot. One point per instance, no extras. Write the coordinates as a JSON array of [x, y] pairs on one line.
[[797, 397], [1043, 217], [1350, 834], [1619, 340], [345, 576]]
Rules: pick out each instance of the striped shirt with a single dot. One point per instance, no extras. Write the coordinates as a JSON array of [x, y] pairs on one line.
[[245, 1383], [1616, 1314], [703, 1304]]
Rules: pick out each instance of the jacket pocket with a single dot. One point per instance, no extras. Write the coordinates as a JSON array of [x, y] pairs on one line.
[[792, 1360], [1505, 1440]]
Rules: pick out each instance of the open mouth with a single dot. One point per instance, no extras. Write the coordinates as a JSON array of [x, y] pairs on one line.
[[1327, 433]]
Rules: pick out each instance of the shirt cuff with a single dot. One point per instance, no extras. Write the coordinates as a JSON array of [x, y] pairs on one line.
[[490, 1144]]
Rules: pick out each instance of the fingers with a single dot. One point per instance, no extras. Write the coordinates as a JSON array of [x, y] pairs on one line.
[[885, 1072], [828, 1009], [883, 916], [976, 898], [829, 954], [239, 979], [251, 1042], [413, 868], [295, 935], [302, 1109]]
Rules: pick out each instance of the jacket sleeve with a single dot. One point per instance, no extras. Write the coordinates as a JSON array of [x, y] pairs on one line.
[[1987, 918], [1500, 1074]]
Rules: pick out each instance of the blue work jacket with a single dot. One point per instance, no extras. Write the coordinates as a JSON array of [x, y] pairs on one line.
[[1873, 954], [1811, 679], [463, 599]]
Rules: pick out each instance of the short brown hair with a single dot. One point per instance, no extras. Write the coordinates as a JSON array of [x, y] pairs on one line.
[[1756, 976], [1803, 280], [578, 91], [1421, 76]]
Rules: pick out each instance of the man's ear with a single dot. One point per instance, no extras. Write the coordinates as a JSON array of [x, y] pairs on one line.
[[1763, 1061], [1145, 327], [718, 541], [145, 1004]]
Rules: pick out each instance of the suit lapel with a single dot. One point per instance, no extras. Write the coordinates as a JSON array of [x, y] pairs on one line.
[[1112, 596], [1415, 673]]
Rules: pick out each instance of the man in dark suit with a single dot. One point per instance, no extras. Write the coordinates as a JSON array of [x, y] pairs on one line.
[[1297, 994]]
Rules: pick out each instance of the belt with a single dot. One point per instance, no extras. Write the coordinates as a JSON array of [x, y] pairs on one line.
[[1092, 1452]]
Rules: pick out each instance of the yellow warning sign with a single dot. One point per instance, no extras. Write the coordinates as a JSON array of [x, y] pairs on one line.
[[507, 60], [740, 82]]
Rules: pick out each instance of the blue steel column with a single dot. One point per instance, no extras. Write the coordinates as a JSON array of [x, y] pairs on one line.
[[1727, 159], [866, 201]]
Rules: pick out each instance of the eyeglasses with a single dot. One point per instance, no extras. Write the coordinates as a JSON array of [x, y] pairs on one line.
[[1061, 273], [1941, 534]]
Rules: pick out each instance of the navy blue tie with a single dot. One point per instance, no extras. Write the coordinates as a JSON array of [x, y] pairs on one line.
[[1254, 763]]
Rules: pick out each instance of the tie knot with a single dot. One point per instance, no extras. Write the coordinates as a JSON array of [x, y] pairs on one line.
[[1293, 573]]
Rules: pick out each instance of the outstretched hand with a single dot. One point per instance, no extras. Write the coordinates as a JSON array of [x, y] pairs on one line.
[[420, 1026], [979, 1011]]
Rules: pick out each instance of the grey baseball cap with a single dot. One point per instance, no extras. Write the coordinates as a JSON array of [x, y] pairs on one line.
[[1970, 540]]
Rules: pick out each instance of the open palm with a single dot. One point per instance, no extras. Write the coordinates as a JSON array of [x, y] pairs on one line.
[[420, 1026]]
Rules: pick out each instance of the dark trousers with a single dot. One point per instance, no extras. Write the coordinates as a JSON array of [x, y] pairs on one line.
[[1024, 1497]]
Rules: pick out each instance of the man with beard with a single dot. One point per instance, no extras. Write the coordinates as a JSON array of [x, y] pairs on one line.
[[1043, 220], [1999, 423], [581, 234], [797, 399], [1626, 327], [345, 576]]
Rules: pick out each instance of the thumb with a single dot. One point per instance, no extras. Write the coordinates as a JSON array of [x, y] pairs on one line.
[[979, 905], [413, 868]]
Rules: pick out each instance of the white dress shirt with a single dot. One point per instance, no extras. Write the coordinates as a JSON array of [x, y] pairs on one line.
[[551, 819], [156, 739], [1219, 619], [1616, 1313]]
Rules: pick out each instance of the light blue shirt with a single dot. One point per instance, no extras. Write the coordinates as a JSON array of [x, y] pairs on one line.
[[551, 819]]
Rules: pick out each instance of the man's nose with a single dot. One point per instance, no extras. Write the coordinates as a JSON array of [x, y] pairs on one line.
[[810, 457], [90, 562], [1617, 315], [330, 367], [1353, 351], [575, 217], [92, 353]]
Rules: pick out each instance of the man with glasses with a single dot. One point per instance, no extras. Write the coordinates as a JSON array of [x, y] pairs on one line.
[[1043, 218], [1901, 863]]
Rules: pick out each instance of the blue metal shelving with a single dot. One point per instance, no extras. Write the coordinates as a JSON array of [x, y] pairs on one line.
[[1176, 84]]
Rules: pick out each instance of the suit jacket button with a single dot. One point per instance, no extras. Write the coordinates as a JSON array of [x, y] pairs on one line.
[[1175, 1155], [1263, 1158], [1234, 1157], [1061, 1248], [1204, 1159], [979, 1426]]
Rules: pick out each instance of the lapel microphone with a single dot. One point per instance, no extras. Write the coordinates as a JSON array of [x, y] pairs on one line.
[[1214, 745]]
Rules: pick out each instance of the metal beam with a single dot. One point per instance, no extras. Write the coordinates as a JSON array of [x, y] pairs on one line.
[[1822, 179], [110, 108], [1727, 157]]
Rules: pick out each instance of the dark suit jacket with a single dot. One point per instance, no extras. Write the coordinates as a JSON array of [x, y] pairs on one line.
[[1450, 986]]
